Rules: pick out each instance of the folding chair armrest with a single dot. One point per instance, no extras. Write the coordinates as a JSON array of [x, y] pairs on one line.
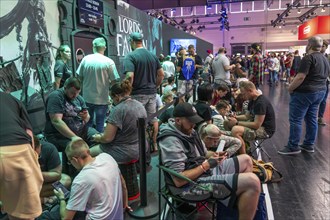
[[178, 175]]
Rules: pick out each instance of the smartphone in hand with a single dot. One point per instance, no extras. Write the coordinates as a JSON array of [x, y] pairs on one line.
[[84, 109], [58, 185]]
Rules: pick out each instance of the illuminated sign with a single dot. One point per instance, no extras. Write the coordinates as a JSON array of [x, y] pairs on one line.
[[307, 29], [317, 26]]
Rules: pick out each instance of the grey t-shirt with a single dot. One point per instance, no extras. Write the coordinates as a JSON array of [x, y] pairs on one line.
[[316, 67], [125, 147], [218, 66]]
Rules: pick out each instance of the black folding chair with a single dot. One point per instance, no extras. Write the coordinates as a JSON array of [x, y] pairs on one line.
[[174, 202]]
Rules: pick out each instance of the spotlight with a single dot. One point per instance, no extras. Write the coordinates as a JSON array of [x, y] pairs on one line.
[[323, 9], [197, 20], [208, 7], [299, 11], [173, 10], [193, 21], [182, 21]]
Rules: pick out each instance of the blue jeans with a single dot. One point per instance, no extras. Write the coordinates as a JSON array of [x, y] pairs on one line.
[[323, 103], [273, 77], [303, 106], [99, 111]]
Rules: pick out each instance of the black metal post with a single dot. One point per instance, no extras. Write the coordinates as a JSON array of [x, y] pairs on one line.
[[143, 210]]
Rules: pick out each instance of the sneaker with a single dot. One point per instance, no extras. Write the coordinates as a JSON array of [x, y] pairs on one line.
[[307, 148], [288, 151], [320, 121]]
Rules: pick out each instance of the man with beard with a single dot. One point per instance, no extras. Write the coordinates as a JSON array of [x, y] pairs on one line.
[[66, 117], [182, 150]]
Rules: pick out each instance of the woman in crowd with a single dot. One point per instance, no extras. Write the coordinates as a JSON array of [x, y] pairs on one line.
[[61, 70], [120, 137]]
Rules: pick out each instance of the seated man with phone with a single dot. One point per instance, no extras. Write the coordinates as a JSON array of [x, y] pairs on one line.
[[182, 150], [98, 189], [51, 167], [66, 117]]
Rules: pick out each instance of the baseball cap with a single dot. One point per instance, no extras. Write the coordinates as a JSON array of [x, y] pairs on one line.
[[188, 111], [208, 51], [135, 36], [256, 46]]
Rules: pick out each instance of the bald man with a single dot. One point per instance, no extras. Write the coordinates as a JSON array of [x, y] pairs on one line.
[[307, 91]]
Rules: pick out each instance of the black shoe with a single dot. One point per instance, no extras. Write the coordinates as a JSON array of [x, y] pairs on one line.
[[307, 148], [288, 151]]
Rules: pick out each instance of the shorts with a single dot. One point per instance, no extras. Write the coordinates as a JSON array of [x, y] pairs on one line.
[[186, 86], [20, 181], [223, 183], [149, 103], [250, 134]]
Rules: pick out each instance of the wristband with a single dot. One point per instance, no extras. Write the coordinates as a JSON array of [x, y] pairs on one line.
[[201, 166]]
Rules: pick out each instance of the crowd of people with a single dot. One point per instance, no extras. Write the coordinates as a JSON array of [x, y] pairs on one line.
[[91, 117]]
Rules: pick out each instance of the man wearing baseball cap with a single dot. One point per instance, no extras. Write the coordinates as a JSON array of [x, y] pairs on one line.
[[257, 65], [143, 70], [183, 151]]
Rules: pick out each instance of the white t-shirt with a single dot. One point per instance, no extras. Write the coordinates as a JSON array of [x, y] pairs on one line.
[[97, 190], [97, 72], [169, 69], [218, 66]]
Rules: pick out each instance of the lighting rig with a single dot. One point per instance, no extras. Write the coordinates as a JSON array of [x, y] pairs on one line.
[[279, 20], [224, 19]]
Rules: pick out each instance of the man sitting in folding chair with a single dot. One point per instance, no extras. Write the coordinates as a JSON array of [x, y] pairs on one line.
[[231, 180], [259, 123]]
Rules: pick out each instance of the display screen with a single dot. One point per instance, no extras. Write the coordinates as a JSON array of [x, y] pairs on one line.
[[175, 45], [91, 13]]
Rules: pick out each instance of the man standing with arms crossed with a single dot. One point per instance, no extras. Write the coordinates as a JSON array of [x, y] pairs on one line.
[[97, 72], [143, 70]]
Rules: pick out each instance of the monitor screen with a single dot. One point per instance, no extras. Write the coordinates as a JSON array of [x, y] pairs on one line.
[[91, 13], [175, 45]]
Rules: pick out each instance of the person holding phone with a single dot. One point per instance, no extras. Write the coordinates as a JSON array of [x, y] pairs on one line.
[[66, 117], [50, 166], [183, 151], [98, 189]]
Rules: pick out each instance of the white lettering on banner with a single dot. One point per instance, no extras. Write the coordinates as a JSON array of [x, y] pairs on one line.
[[128, 25], [307, 29], [123, 46]]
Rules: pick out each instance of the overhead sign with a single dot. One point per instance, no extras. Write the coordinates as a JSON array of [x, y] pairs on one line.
[[317, 26]]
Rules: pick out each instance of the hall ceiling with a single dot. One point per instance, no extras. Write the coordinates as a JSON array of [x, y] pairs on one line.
[[157, 4]]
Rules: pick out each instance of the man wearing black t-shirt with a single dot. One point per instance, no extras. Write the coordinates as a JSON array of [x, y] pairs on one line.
[[259, 122], [144, 71], [307, 91], [50, 165], [66, 117]]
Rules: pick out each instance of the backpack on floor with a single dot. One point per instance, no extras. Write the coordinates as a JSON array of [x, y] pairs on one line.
[[265, 171]]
